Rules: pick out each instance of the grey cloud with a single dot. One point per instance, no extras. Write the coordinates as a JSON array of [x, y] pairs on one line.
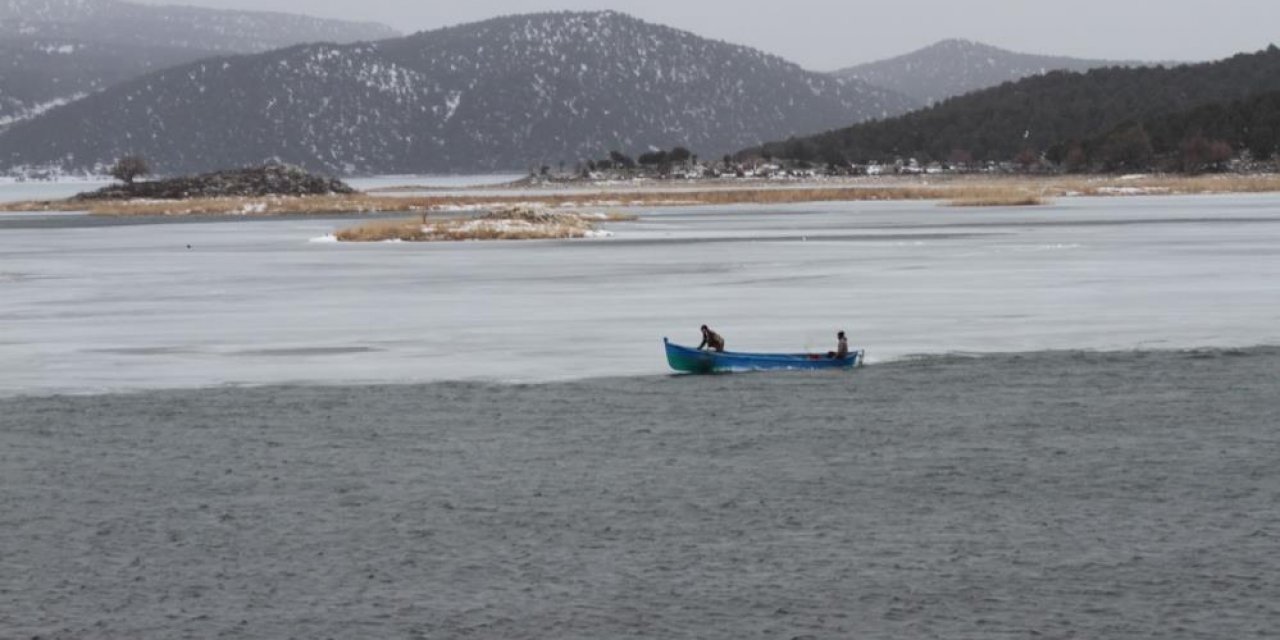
[[828, 34]]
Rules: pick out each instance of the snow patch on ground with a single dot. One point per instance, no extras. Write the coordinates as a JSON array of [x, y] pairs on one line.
[[38, 109], [1132, 191]]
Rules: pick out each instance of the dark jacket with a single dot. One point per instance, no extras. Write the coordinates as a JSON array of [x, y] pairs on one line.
[[712, 340]]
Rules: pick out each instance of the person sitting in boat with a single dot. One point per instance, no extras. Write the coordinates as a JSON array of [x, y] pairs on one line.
[[842, 347], [711, 340]]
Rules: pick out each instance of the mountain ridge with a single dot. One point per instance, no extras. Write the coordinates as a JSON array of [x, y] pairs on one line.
[[505, 93], [53, 52], [178, 26], [956, 66]]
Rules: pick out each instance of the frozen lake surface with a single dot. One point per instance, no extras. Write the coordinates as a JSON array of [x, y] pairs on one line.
[[15, 191], [100, 304], [433, 181]]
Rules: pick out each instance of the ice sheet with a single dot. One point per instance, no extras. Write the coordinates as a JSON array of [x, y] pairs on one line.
[[129, 306], [14, 191]]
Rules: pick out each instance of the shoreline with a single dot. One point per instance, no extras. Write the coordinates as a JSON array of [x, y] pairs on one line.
[[905, 361], [959, 190]]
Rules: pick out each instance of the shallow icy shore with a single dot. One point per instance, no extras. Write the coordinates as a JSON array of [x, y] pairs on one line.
[[92, 305], [1054, 494]]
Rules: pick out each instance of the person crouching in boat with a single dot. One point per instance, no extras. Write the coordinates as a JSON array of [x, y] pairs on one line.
[[711, 340], [842, 347]]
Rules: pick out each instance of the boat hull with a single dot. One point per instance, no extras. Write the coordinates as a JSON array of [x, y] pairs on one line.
[[689, 360]]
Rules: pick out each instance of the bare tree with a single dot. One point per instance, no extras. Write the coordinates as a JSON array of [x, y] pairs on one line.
[[1220, 153], [961, 159], [1127, 148], [1027, 159], [128, 168], [1077, 161]]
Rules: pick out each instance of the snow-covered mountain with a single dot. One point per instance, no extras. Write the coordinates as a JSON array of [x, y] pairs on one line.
[[126, 23], [956, 67], [507, 93], [37, 74], [56, 51]]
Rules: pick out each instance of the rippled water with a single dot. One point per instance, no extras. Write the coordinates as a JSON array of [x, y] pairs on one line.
[[1059, 494]]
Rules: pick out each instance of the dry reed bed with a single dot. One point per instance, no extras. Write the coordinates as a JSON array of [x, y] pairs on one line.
[[517, 223], [960, 190], [1014, 198], [364, 203], [1162, 185]]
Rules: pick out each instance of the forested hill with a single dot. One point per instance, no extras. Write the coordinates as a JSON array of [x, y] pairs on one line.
[[507, 93], [955, 67], [1039, 115], [1201, 139]]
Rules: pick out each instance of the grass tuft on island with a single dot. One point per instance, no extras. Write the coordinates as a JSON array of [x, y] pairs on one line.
[[513, 223]]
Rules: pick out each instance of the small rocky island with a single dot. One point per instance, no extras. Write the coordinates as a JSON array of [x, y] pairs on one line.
[[500, 223], [253, 182]]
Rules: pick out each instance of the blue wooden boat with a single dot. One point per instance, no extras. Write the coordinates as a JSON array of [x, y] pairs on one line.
[[691, 360]]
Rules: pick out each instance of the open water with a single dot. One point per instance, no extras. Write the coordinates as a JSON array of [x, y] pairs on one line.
[[1040, 495], [1101, 463]]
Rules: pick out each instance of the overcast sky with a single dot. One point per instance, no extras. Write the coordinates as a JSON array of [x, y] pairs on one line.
[[828, 34]]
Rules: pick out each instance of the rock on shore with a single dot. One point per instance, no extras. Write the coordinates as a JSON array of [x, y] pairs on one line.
[[278, 180]]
